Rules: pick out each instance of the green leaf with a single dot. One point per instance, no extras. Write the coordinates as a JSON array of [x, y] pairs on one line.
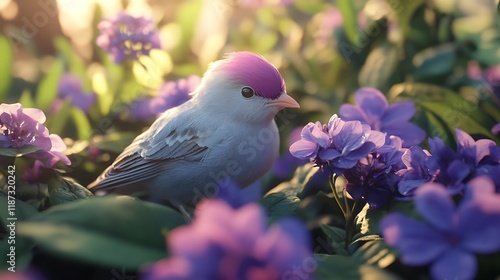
[[65, 190], [368, 219], [11, 152], [375, 252], [379, 66], [47, 89], [349, 19], [57, 122], [114, 141], [75, 63], [447, 106], [404, 10], [104, 231], [336, 238], [19, 209], [280, 205], [82, 123], [433, 61], [26, 100], [336, 267], [309, 6], [5, 67], [296, 185]]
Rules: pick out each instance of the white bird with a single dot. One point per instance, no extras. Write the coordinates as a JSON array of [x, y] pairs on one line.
[[225, 132]]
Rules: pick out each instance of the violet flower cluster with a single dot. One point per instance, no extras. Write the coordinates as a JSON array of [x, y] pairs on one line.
[[70, 88], [378, 168], [171, 94], [234, 243], [125, 36], [450, 236], [23, 127]]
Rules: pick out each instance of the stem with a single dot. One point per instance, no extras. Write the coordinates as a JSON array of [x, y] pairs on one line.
[[333, 179], [356, 208]]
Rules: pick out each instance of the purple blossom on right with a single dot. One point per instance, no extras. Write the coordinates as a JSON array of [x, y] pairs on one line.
[[126, 36], [70, 88], [373, 109], [449, 236], [338, 146]]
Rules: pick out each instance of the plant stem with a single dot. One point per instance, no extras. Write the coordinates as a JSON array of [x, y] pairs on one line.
[[333, 179]]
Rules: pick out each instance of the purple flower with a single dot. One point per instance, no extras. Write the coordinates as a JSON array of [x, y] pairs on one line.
[[490, 76], [34, 173], [226, 243], [70, 88], [449, 237], [171, 94], [23, 127], [337, 146], [126, 36], [287, 163], [174, 93], [374, 179], [416, 172], [495, 129], [140, 109], [394, 119], [233, 195]]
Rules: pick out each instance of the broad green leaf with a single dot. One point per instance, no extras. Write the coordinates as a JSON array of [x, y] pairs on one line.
[[188, 11], [57, 122], [447, 105], [104, 231], [280, 204], [5, 66], [14, 209], [75, 63], [296, 185], [309, 6], [11, 152], [438, 128], [404, 10], [47, 88], [368, 219], [82, 123], [375, 252], [349, 19], [19, 211], [379, 66], [435, 61], [26, 100], [336, 238], [65, 190], [114, 141], [336, 267]]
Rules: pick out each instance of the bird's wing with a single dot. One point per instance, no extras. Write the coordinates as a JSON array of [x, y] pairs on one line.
[[148, 155]]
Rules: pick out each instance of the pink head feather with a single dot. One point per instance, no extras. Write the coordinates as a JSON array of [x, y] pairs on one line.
[[253, 70]]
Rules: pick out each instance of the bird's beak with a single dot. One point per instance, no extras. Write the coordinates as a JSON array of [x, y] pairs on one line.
[[284, 101]]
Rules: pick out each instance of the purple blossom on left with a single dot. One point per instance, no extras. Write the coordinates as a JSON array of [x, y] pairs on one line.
[[125, 36], [23, 127]]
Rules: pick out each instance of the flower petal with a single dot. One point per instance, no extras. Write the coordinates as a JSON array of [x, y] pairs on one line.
[[418, 243], [349, 112], [399, 112], [434, 203], [454, 264], [408, 132], [329, 154], [372, 101], [303, 149]]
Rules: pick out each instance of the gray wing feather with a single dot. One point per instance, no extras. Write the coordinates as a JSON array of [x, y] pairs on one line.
[[149, 154]]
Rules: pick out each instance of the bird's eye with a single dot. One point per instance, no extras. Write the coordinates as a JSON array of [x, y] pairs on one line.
[[247, 92]]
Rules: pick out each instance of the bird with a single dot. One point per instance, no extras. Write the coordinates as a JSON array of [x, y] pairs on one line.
[[226, 133]]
